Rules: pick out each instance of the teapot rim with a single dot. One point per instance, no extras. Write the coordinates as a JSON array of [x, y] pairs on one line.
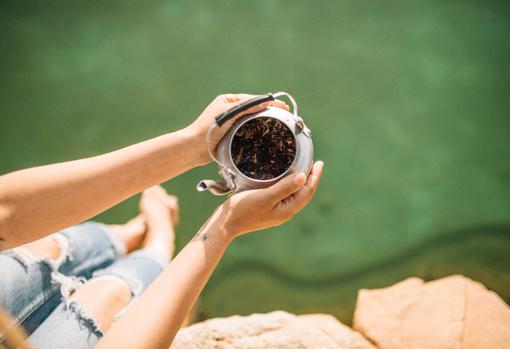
[[256, 116]]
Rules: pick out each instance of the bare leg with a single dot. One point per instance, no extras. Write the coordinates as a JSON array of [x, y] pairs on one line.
[[161, 213], [131, 234], [46, 247], [103, 297], [154, 228]]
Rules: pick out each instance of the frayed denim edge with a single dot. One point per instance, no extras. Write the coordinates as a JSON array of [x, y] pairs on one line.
[[68, 284], [84, 318]]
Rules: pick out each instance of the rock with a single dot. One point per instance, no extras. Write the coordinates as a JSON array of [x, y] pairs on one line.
[[343, 336], [278, 330], [453, 312]]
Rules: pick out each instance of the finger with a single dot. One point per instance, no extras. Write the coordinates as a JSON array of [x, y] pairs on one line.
[[283, 189], [279, 104], [243, 97], [235, 98], [274, 103], [303, 196], [255, 109]]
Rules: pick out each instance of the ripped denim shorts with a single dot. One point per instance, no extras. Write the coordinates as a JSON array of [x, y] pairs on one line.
[[35, 291]]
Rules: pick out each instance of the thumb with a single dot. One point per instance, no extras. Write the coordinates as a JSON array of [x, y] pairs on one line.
[[285, 187]]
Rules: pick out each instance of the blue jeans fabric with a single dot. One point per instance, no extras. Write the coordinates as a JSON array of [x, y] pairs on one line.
[[35, 291]]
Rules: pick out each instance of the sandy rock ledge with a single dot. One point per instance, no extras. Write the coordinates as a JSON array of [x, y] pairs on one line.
[[278, 330], [450, 313]]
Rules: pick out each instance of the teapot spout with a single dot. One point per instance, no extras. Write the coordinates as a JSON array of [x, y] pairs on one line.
[[218, 187]]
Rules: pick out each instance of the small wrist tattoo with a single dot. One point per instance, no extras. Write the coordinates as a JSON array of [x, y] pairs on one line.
[[200, 236], [202, 232]]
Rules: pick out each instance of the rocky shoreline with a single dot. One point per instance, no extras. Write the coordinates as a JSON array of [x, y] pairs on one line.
[[453, 312]]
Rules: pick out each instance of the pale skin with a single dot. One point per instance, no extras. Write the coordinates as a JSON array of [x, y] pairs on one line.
[[158, 313], [104, 297], [153, 230], [38, 201]]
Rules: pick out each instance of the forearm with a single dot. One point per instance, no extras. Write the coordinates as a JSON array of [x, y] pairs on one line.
[[158, 314], [41, 200]]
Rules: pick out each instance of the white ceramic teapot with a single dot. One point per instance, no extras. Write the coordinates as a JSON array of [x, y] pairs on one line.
[[233, 180]]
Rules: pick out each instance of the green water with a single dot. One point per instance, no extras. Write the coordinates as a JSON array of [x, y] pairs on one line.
[[409, 103]]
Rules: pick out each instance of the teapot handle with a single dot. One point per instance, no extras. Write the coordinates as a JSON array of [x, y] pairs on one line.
[[229, 114]]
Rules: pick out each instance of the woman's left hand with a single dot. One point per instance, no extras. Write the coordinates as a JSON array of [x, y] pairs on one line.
[[258, 209]]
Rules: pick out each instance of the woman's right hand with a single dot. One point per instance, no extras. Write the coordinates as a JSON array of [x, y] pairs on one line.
[[220, 104], [258, 209]]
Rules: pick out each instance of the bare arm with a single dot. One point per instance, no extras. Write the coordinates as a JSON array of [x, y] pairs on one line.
[[155, 318], [40, 200], [157, 315]]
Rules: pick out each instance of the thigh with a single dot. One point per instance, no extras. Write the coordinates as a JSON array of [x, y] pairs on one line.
[[31, 287], [25, 285], [70, 326], [86, 248], [138, 269], [66, 327]]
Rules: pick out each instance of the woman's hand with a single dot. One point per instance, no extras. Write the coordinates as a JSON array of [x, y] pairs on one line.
[[263, 208], [220, 104]]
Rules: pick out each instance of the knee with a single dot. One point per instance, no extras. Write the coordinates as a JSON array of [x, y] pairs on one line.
[[103, 298], [111, 289]]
